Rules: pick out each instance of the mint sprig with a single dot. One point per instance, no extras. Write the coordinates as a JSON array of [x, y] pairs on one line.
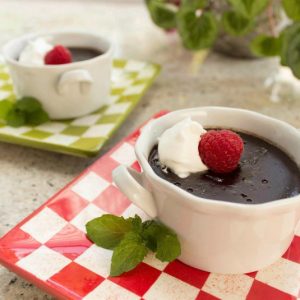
[[131, 239], [25, 111]]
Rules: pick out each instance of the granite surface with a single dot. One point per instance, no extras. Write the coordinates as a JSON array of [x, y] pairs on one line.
[[29, 177]]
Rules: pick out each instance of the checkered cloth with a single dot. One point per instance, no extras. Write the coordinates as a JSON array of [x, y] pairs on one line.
[[85, 135], [50, 249]]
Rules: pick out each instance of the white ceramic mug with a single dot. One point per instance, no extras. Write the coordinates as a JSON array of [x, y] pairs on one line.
[[68, 90], [217, 236]]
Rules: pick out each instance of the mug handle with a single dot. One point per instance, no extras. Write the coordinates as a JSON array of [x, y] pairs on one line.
[[129, 182], [82, 77]]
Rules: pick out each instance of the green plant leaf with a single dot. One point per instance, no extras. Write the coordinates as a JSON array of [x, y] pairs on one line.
[[150, 233], [28, 104], [5, 107], [155, 233], [162, 13], [293, 56], [107, 231], [235, 23], [193, 4], [37, 117], [264, 45], [249, 8], [168, 248], [292, 9], [15, 118], [197, 32], [136, 223], [131, 238], [128, 254], [287, 36]]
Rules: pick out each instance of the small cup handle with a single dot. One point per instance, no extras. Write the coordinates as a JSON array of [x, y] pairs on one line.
[[129, 182], [82, 77]]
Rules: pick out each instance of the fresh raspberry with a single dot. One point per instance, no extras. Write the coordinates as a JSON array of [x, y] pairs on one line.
[[221, 150], [58, 55]]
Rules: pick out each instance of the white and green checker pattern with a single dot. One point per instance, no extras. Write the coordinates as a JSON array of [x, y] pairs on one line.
[[84, 136]]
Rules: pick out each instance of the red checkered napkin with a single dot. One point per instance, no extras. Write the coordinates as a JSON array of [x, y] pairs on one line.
[[50, 249]]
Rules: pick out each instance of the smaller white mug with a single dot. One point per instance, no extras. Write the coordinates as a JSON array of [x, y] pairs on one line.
[[217, 236], [68, 90]]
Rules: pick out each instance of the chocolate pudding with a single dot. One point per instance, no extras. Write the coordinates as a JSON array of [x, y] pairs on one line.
[[265, 173], [80, 54]]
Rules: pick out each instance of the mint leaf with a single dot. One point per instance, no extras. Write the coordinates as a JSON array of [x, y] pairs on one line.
[[28, 104], [162, 13], [292, 9], [150, 233], [5, 107], [15, 118], [168, 248], [136, 223], [249, 8], [162, 240], [264, 45], [128, 254], [37, 117], [107, 231], [197, 32], [235, 23]]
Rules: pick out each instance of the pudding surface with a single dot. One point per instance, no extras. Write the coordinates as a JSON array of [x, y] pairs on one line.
[[265, 173]]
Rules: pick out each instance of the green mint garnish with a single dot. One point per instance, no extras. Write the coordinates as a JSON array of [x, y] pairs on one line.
[[15, 118], [25, 111], [128, 254], [107, 231], [131, 239], [37, 117], [28, 105], [162, 240]]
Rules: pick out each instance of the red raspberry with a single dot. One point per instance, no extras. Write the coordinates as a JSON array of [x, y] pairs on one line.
[[221, 150], [58, 55]]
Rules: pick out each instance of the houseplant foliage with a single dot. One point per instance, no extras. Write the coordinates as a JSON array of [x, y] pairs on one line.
[[198, 25]]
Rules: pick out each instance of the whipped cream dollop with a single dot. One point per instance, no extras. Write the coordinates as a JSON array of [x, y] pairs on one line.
[[34, 52], [178, 148]]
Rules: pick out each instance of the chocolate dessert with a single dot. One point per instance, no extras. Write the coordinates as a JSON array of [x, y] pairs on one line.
[[265, 173], [80, 54]]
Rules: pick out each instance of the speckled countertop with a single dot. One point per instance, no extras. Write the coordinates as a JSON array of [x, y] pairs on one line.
[[29, 177]]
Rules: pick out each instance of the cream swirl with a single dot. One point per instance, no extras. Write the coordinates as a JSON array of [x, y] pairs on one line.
[[178, 148], [34, 52]]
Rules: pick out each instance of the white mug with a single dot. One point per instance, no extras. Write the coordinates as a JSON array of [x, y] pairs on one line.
[[217, 236], [68, 90]]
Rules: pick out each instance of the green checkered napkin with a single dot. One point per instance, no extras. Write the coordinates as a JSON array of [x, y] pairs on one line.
[[84, 136]]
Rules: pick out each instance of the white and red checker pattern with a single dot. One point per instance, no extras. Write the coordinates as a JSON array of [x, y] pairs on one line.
[[50, 249]]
